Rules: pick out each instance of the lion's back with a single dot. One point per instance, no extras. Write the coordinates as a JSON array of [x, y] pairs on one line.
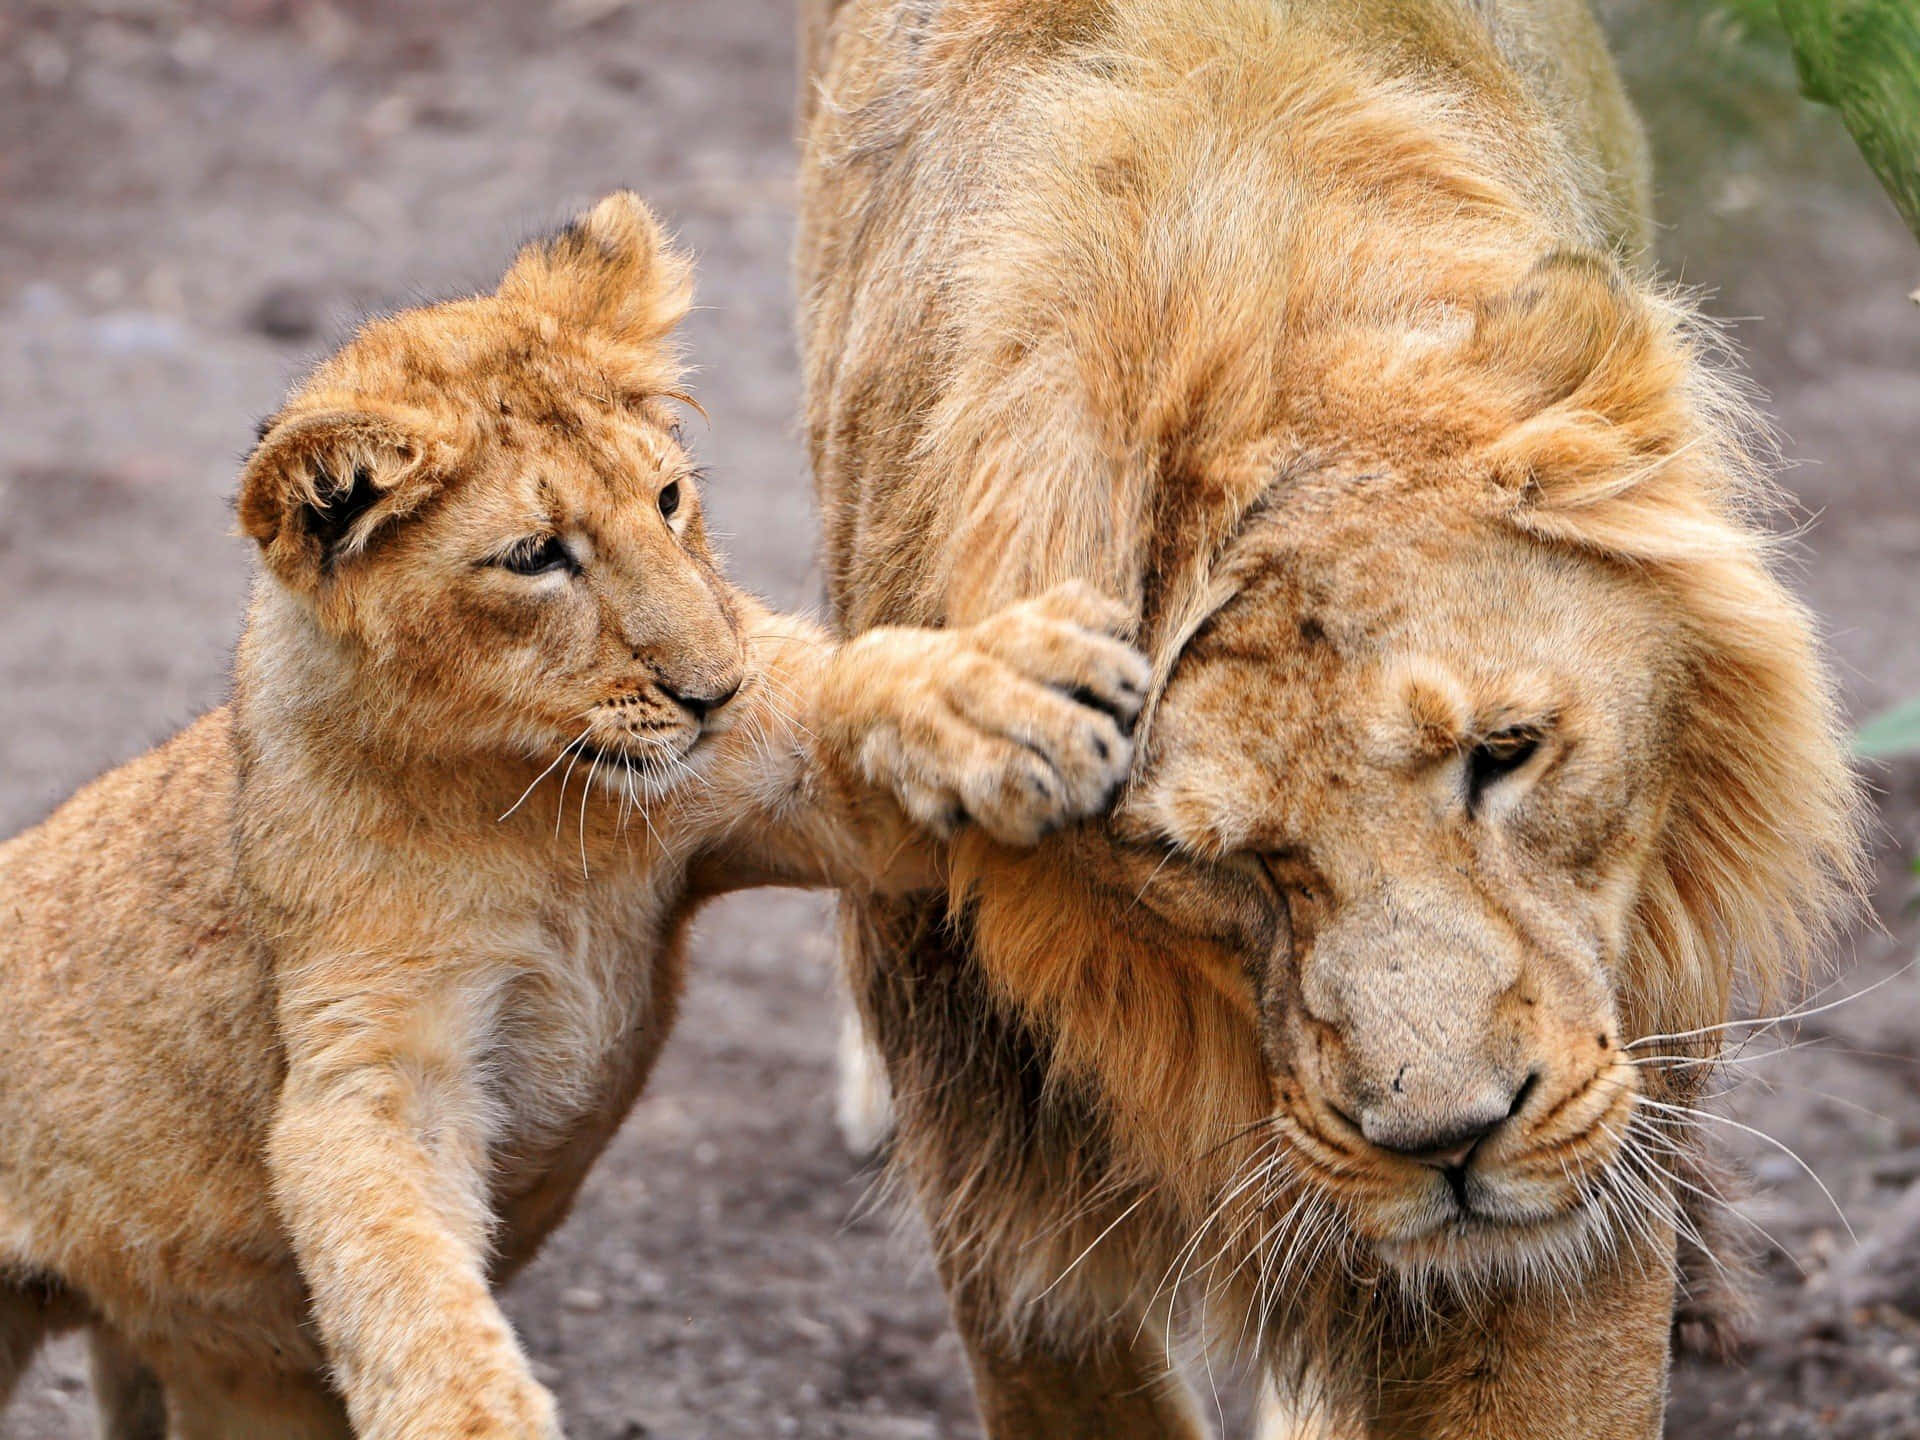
[[1060, 146]]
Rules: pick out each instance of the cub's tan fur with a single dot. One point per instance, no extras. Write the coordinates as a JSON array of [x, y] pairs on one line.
[[317, 1015], [1486, 749]]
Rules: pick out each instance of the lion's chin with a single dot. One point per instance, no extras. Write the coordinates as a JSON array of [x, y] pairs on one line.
[[1475, 1247]]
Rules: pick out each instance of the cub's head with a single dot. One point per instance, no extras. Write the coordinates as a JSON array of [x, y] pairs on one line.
[[485, 507], [1533, 757]]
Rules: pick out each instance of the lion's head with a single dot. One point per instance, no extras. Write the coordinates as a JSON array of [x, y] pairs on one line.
[[485, 507], [1535, 755], [1488, 751]]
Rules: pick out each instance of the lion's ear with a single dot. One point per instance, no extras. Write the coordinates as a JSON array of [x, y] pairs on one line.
[[1592, 370], [1555, 331], [610, 271], [320, 485]]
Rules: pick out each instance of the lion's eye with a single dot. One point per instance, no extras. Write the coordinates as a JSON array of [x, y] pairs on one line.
[[1291, 873], [538, 555], [1495, 758], [670, 499]]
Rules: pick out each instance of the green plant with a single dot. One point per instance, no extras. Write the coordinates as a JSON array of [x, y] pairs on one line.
[[1863, 58], [1891, 733]]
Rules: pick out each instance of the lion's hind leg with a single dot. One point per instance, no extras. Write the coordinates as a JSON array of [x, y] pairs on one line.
[[32, 1308], [863, 1104], [127, 1397], [1287, 1416]]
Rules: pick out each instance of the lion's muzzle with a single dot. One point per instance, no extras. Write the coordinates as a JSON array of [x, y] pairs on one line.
[[1452, 1076]]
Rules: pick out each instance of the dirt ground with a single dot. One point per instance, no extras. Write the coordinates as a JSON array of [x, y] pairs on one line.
[[194, 197]]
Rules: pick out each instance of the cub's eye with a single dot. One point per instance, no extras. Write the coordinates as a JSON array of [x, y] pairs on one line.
[[670, 499], [540, 555], [1495, 758]]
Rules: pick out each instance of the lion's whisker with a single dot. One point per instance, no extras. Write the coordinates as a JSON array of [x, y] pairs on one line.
[[1731, 1209], [1780, 1145], [1719, 1060], [1186, 1250], [1768, 1022], [1112, 1225], [1645, 1204], [1155, 875]]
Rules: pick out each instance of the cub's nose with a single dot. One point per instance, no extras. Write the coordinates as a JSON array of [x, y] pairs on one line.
[[1443, 1140], [700, 703]]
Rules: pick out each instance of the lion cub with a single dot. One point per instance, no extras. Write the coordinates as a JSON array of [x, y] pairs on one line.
[[317, 1015]]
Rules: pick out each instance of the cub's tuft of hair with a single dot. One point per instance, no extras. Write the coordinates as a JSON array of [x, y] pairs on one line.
[[609, 271]]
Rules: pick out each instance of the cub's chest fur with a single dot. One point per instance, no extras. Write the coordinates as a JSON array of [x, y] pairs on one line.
[[585, 998]]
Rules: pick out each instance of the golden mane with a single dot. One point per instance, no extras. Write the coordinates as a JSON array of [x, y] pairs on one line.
[[1333, 270]]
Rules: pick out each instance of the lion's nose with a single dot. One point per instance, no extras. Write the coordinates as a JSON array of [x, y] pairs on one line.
[[1443, 1141]]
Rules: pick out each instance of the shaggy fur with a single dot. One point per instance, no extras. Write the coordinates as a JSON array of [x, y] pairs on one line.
[[1487, 755], [317, 1015]]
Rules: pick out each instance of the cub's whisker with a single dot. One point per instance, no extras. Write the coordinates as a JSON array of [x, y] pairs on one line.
[[586, 791], [560, 814], [577, 740]]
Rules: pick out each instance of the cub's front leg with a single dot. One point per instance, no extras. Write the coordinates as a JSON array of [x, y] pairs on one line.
[[378, 1162], [1019, 723]]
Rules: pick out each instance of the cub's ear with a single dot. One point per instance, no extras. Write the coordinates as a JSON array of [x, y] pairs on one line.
[[610, 271], [1593, 373], [321, 484]]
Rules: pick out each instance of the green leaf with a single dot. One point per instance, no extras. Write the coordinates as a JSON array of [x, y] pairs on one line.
[[1760, 16], [1863, 58], [1893, 732]]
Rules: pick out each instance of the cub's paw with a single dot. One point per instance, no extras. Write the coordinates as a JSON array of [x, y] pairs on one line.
[[499, 1402], [530, 1415], [1019, 723]]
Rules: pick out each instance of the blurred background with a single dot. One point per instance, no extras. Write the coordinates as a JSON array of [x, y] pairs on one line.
[[197, 197]]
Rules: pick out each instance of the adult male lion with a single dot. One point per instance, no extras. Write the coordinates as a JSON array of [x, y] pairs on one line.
[[1486, 748]]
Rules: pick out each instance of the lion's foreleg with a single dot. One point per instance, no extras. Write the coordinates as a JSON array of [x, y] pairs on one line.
[[1114, 1385], [24, 1323], [1106, 1390], [128, 1400], [1540, 1365]]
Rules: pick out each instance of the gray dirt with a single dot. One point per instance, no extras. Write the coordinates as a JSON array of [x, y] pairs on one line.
[[197, 196]]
